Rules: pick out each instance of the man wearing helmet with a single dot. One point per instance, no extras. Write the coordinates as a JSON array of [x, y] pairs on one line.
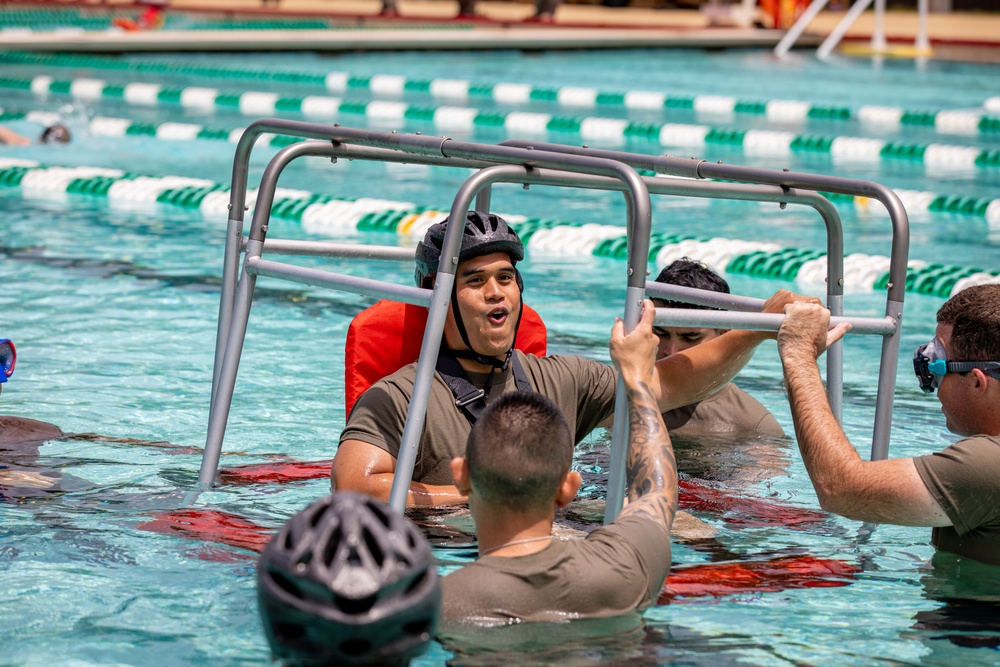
[[478, 363]]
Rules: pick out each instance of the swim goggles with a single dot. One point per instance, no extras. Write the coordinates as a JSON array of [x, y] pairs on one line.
[[8, 357], [930, 364]]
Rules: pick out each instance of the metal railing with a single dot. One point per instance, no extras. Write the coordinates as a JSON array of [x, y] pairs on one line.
[[523, 163]]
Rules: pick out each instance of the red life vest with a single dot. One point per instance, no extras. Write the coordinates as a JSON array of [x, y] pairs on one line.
[[386, 336]]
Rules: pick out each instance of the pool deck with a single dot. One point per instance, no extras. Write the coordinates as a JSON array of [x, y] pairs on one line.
[[431, 24]]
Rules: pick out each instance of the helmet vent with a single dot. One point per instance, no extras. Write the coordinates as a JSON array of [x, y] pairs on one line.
[[330, 548], [374, 548], [382, 516], [353, 606], [417, 581], [285, 584], [355, 647]]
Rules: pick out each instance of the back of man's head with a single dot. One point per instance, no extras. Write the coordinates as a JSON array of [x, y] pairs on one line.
[[687, 272], [519, 451], [974, 314]]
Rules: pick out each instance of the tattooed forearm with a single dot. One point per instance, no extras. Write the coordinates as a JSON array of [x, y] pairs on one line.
[[651, 470]]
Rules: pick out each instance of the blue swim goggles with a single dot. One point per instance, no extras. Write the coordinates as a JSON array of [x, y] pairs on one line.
[[931, 364], [8, 357]]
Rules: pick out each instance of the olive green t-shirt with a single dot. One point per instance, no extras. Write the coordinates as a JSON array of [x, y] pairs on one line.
[[964, 479], [730, 410], [583, 389], [617, 569]]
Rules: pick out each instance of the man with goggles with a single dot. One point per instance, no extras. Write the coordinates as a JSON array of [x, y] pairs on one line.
[[931, 364], [956, 491]]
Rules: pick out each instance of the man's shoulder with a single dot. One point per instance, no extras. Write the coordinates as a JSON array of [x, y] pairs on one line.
[[563, 363], [974, 445]]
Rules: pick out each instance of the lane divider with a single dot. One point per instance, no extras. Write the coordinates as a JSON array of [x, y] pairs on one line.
[[447, 118], [944, 121], [331, 216], [915, 201]]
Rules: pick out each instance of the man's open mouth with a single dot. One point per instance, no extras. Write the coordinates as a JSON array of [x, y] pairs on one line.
[[498, 315]]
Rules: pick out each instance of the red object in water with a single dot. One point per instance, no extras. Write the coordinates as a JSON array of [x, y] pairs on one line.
[[756, 576], [275, 473], [211, 526], [743, 510], [736, 510]]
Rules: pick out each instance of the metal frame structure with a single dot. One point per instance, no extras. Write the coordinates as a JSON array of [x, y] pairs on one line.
[[523, 163]]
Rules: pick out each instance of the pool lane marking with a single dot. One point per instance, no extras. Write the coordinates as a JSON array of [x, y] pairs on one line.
[[915, 201], [446, 118], [965, 122], [542, 237]]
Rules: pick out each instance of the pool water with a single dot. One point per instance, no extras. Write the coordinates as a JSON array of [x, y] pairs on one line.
[[113, 308]]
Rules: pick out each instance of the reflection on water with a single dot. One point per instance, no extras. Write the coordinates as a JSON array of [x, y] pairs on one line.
[[622, 641], [968, 616]]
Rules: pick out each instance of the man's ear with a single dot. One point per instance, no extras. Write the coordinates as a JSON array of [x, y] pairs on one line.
[[567, 488], [460, 473], [981, 381]]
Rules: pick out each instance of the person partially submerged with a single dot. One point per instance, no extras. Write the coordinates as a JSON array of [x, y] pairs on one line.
[[516, 473], [479, 361]]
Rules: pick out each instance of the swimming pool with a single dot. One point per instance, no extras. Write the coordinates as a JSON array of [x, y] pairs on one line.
[[112, 302]]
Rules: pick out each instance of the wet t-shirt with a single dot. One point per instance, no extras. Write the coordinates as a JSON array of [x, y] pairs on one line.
[[965, 481], [730, 410], [617, 569], [583, 389]]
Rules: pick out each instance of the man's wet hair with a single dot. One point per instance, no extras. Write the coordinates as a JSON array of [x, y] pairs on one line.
[[687, 272], [974, 314], [519, 451]]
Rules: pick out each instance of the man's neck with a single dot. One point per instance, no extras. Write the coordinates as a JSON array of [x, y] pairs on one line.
[[473, 366], [497, 527]]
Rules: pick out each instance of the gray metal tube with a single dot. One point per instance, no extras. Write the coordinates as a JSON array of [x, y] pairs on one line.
[[230, 274], [240, 314], [320, 278], [346, 250], [835, 363], [702, 297], [219, 412], [724, 319], [886, 385]]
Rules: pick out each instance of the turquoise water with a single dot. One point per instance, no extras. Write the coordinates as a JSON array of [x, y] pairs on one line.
[[113, 310]]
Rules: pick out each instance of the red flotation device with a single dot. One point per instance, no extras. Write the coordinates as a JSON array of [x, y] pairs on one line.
[[211, 526], [756, 576], [734, 510], [744, 510], [275, 473], [386, 336], [695, 581]]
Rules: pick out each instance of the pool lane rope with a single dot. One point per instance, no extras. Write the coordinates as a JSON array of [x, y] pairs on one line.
[[915, 201], [520, 123], [332, 216], [965, 122]]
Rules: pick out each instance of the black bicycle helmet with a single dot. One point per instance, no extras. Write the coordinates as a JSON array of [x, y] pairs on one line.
[[484, 233], [348, 581]]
